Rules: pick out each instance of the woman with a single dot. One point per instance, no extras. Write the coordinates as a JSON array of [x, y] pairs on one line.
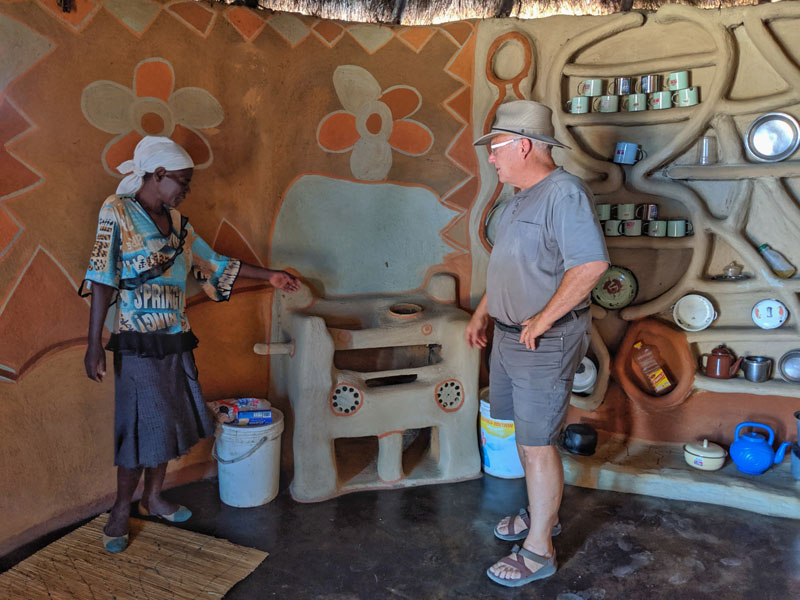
[[141, 258]]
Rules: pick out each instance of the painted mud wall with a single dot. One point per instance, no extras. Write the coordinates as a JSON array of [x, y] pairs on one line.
[[344, 151]]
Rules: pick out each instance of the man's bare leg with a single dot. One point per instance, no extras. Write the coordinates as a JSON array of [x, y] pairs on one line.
[[544, 479]]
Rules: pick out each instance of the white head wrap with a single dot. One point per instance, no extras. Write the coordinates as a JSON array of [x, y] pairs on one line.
[[150, 153]]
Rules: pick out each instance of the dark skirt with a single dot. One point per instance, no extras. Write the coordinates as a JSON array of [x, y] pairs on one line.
[[159, 409]]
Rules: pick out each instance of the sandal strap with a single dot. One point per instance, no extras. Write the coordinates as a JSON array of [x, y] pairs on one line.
[[516, 563], [523, 514], [537, 558]]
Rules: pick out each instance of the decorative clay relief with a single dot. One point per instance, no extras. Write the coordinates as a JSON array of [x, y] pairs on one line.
[[372, 123], [151, 107]]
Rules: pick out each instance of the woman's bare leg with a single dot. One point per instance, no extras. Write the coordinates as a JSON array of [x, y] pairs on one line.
[[151, 497], [127, 480]]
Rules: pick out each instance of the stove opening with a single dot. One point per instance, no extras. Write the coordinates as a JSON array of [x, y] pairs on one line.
[[370, 360]]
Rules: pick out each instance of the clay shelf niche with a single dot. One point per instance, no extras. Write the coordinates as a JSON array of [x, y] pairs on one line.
[[724, 172], [674, 350], [740, 385], [644, 241]]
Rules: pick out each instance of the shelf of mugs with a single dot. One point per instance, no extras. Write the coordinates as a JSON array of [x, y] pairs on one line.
[[740, 385], [630, 96], [787, 168]]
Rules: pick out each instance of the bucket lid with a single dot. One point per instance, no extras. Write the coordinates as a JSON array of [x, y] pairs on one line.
[[277, 420]]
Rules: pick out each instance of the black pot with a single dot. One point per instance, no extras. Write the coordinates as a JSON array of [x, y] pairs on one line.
[[579, 438]]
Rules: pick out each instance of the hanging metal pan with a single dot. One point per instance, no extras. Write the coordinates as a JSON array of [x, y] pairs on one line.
[[772, 137]]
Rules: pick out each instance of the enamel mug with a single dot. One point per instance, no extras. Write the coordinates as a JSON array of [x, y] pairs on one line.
[[634, 102], [655, 228], [606, 104], [632, 227], [646, 212], [623, 212], [590, 87], [686, 97], [603, 212], [649, 84], [660, 100], [627, 153], [613, 228], [679, 228], [578, 105], [678, 80], [620, 85]]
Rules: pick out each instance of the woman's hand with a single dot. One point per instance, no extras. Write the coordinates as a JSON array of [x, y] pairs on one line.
[[284, 281], [95, 362]]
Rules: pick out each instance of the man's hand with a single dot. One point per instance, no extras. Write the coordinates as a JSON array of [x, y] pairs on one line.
[[94, 361], [476, 331], [284, 281], [531, 329]]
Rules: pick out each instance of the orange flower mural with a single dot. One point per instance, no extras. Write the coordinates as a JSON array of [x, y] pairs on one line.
[[151, 107], [373, 123]]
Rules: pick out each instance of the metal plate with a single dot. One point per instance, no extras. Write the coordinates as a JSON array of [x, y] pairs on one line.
[[769, 313], [772, 137], [616, 289], [789, 366], [694, 312]]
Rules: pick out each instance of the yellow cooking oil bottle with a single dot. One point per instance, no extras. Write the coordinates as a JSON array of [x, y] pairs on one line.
[[649, 362]]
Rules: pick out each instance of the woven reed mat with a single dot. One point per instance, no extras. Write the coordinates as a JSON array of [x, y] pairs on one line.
[[161, 562]]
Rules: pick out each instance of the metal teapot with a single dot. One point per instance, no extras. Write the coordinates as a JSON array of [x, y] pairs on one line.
[[721, 363], [751, 453]]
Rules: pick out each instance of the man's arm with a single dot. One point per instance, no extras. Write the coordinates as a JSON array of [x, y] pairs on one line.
[[576, 284], [476, 328]]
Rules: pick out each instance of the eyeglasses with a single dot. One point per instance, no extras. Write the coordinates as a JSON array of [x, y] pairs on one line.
[[493, 147]]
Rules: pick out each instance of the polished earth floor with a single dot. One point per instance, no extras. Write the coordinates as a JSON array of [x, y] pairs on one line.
[[436, 542]]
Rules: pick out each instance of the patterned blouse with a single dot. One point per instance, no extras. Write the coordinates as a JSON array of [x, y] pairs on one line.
[[149, 271]]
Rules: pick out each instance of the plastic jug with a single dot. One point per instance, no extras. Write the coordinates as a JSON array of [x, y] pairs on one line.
[[752, 453]]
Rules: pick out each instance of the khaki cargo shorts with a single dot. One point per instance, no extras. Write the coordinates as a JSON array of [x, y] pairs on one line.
[[533, 387]]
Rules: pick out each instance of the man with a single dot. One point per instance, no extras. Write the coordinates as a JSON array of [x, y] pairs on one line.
[[548, 254]]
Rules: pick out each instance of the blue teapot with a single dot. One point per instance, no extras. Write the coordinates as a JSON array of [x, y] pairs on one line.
[[751, 453]]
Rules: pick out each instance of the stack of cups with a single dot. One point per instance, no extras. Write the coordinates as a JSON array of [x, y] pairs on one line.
[[629, 96], [629, 220]]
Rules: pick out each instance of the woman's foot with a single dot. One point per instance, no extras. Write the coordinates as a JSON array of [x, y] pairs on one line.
[[177, 513], [158, 506], [117, 524]]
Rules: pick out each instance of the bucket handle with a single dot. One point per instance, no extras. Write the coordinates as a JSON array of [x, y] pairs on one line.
[[243, 456]]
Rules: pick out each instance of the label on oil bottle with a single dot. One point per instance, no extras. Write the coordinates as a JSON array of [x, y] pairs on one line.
[[659, 380]]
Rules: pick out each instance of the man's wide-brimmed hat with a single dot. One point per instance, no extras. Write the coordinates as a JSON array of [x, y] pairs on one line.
[[524, 118]]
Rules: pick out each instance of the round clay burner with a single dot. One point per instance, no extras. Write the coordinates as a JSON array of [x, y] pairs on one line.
[[405, 310]]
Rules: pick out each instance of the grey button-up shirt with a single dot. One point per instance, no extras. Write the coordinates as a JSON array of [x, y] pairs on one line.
[[544, 231]]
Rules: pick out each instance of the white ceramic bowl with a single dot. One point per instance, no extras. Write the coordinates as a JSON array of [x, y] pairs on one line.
[[693, 312], [585, 376]]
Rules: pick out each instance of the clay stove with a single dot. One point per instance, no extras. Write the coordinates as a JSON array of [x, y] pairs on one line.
[[384, 389]]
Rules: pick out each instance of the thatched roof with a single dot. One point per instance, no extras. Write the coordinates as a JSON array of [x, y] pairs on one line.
[[426, 12]]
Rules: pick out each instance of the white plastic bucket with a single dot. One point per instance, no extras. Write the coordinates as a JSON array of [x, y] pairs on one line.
[[498, 445], [248, 457]]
